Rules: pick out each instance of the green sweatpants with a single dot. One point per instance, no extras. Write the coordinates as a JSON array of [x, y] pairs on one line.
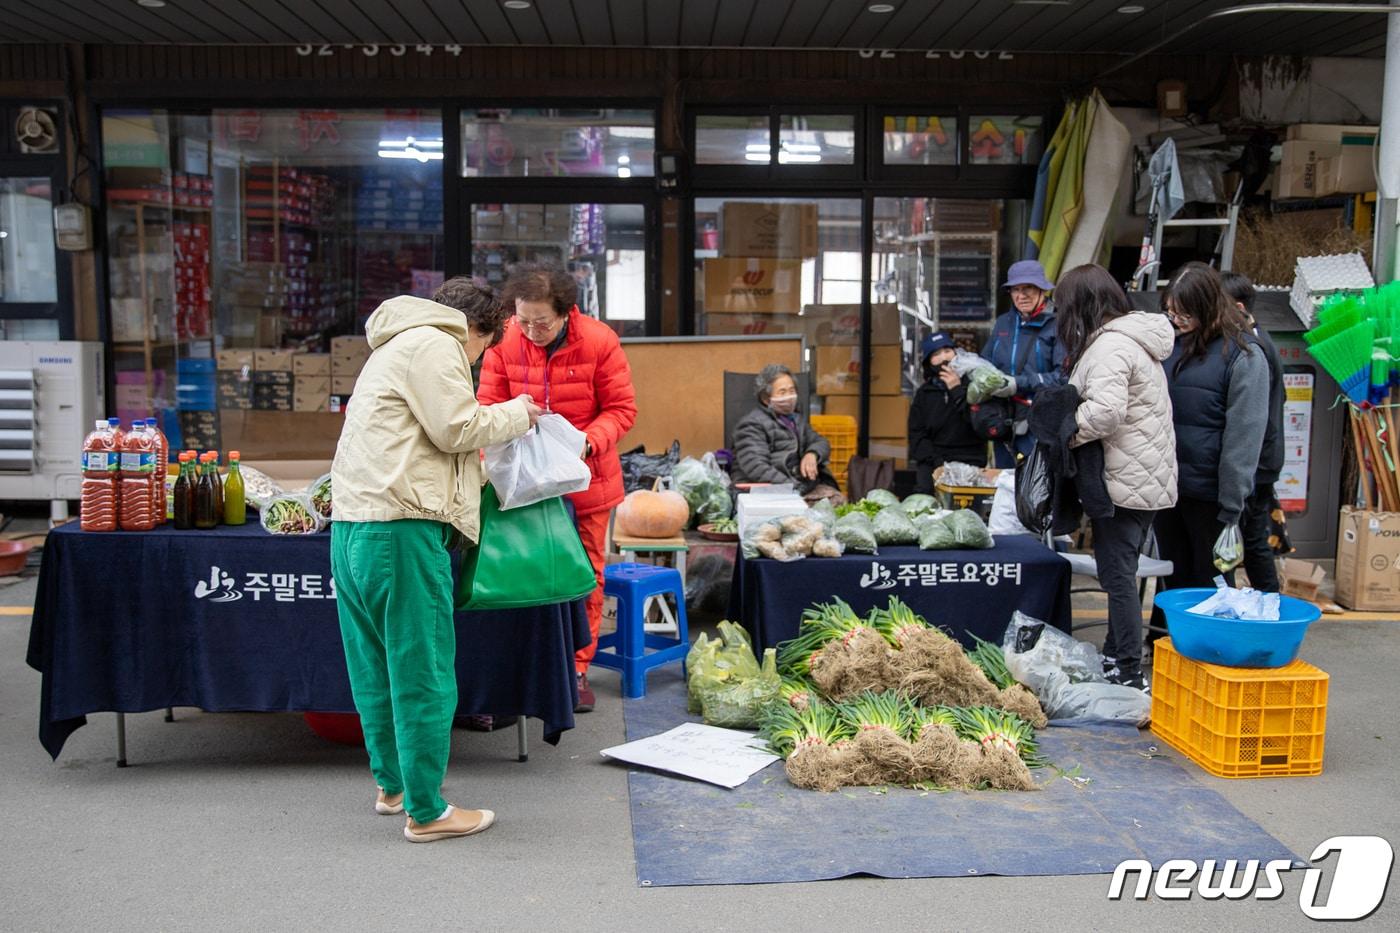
[[394, 587]]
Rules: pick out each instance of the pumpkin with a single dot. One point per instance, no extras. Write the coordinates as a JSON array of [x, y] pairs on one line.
[[647, 514]]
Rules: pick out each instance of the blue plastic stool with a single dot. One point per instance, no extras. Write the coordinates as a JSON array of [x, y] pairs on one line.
[[626, 650]]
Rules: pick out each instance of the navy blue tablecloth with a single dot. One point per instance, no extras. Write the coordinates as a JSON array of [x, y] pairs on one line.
[[964, 591], [236, 619]]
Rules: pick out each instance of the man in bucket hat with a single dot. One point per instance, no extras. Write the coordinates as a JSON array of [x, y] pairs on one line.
[[1024, 345]]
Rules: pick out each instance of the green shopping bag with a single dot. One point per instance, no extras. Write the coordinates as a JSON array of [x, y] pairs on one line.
[[526, 556]]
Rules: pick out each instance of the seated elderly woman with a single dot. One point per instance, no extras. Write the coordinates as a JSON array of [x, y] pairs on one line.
[[775, 444]]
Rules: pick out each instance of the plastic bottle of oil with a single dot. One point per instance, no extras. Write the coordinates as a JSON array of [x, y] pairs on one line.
[[235, 508]]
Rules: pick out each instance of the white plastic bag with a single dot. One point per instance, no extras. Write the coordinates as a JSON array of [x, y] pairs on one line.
[[1229, 603], [546, 462], [1066, 675], [1004, 520]]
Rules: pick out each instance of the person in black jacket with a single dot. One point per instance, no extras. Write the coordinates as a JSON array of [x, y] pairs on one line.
[[775, 443], [1256, 523], [939, 425]]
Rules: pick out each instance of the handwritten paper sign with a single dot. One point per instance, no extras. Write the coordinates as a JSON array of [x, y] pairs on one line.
[[725, 757]]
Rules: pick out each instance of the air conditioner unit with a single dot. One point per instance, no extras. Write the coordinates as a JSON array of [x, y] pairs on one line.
[[50, 395]]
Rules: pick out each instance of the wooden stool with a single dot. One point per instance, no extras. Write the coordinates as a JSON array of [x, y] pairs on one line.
[[656, 549]]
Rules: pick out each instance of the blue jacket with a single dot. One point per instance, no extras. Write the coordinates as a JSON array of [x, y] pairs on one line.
[[1037, 353]]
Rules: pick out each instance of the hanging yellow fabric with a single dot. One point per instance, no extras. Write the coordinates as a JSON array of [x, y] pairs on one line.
[[1065, 188]]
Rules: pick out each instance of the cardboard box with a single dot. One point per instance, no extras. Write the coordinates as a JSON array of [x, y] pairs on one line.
[[749, 325], [839, 325], [1301, 578], [312, 364], [234, 360], [273, 361], [312, 393], [348, 366], [838, 370], [768, 230], [1297, 174], [1368, 560], [753, 286], [1353, 170], [889, 414], [891, 448], [281, 379], [343, 385], [353, 345]]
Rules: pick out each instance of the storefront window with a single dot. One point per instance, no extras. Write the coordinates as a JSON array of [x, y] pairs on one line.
[[938, 264], [921, 140], [738, 139], [27, 273], [530, 142], [603, 245], [1004, 140], [246, 248], [817, 139]]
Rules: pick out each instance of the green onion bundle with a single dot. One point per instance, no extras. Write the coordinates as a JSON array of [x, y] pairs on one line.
[[994, 728], [896, 622], [787, 728], [992, 660], [821, 625], [891, 711], [921, 717]]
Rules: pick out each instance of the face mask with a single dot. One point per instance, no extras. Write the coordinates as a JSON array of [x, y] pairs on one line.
[[783, 404]]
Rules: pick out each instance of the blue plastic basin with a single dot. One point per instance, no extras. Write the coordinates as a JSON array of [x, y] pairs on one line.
[[1235, 642]]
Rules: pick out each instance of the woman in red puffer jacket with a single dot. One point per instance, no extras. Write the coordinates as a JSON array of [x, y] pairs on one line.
[[574, 366]]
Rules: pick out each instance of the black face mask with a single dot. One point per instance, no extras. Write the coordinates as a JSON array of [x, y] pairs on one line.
[[933, 371]]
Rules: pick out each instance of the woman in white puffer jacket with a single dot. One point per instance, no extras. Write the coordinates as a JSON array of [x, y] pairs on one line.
[[1115, 359]]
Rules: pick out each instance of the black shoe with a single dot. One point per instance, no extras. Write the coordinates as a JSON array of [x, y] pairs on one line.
[[1135, 679], [1110, 666], [586, 699], [485, 723]]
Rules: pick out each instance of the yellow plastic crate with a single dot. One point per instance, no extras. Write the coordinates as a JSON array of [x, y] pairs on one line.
[[1239, 722], [840, 432]]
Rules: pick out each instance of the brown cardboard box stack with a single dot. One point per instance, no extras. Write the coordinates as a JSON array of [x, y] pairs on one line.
[[233, 384], [1326, 158], [759, 272], [312, 382], [833, 333], [348, 357], [272, 380]]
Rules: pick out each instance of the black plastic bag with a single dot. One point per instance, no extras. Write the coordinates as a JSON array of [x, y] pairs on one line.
[[1035, 491], [641, 469]]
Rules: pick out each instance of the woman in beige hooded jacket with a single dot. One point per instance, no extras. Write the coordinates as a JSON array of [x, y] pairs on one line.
[[407, 484], [1115, 357]]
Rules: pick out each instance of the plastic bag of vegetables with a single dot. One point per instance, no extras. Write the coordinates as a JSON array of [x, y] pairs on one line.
[[919, 504], [319, 493], [881, 497], [711, 663], [825, 513], [935, 534], [986, 381], [969, 530], [705, 488], [856, 533], [739, 703], [892, 526], [291, 514], [788, 537]]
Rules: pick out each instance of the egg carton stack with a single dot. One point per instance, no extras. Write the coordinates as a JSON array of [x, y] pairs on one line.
[[1316, 277]]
